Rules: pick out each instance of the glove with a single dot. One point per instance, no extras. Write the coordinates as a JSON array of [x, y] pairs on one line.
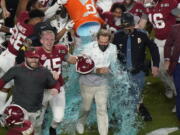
[[61, 2], [69, 25]]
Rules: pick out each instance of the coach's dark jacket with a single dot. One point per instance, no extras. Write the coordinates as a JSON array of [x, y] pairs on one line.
[[139, 42], [172, 47]]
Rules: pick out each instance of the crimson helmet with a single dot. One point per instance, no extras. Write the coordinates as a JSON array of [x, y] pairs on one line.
[[150, 3], [84, 65], [14, 115]]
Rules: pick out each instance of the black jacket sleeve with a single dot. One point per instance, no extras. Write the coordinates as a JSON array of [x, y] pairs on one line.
[[153, 50]]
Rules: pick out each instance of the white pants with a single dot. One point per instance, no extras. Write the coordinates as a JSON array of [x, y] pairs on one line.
[[100, 94], [57, 104], [167, 80], [37, 120], [7, 60]]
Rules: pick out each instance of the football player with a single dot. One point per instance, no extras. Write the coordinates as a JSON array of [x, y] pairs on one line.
[[160, 16], [112, 18], [138, 10], [63, 25], [23, 28], [52, 56]]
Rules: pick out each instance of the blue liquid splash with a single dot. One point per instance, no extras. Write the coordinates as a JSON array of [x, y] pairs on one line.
[[122, 102]]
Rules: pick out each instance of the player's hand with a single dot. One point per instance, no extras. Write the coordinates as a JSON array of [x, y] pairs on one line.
[[6, 13], [27, 42], [166, 65], [155, 71], [103, 70], [55, 74], [69, 25], [54, 92], [61, 2]]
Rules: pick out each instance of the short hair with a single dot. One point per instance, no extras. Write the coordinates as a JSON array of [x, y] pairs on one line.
[[117, 5], [44, 26], [36, 13], [47, 32], [104, 32]]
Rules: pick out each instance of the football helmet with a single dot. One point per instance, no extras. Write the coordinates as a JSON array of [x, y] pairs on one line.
[[150, 3], [84, 64], [13, 115]]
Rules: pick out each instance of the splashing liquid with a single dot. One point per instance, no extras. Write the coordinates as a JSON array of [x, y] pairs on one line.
[[122, 101]]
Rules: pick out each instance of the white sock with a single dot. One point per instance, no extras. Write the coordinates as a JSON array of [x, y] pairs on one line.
[[3, 97]]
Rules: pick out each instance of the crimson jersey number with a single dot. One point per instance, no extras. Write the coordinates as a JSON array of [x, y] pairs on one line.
[[53, 64], [17, 38], [157, 20]]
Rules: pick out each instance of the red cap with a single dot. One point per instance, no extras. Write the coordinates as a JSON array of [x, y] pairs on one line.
[[32, 54]]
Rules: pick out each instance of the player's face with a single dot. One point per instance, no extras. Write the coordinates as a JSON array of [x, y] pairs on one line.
[[117, 13], [32, 62], [47, 41], [103, 40], [37, 5]]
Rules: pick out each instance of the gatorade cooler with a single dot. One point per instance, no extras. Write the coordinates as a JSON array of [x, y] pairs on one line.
[[85, 16]]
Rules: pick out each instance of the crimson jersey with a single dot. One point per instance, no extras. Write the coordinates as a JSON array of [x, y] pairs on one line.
[[161, 18], [109, 19], [53, 61], [25, 129], [19, 33], [138, 9]]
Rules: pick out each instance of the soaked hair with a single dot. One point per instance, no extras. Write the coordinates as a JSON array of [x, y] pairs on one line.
[[105, 33]]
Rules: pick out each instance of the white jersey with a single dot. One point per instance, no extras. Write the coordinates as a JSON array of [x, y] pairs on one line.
[[104, 4], [60, 24], [100, 58]]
